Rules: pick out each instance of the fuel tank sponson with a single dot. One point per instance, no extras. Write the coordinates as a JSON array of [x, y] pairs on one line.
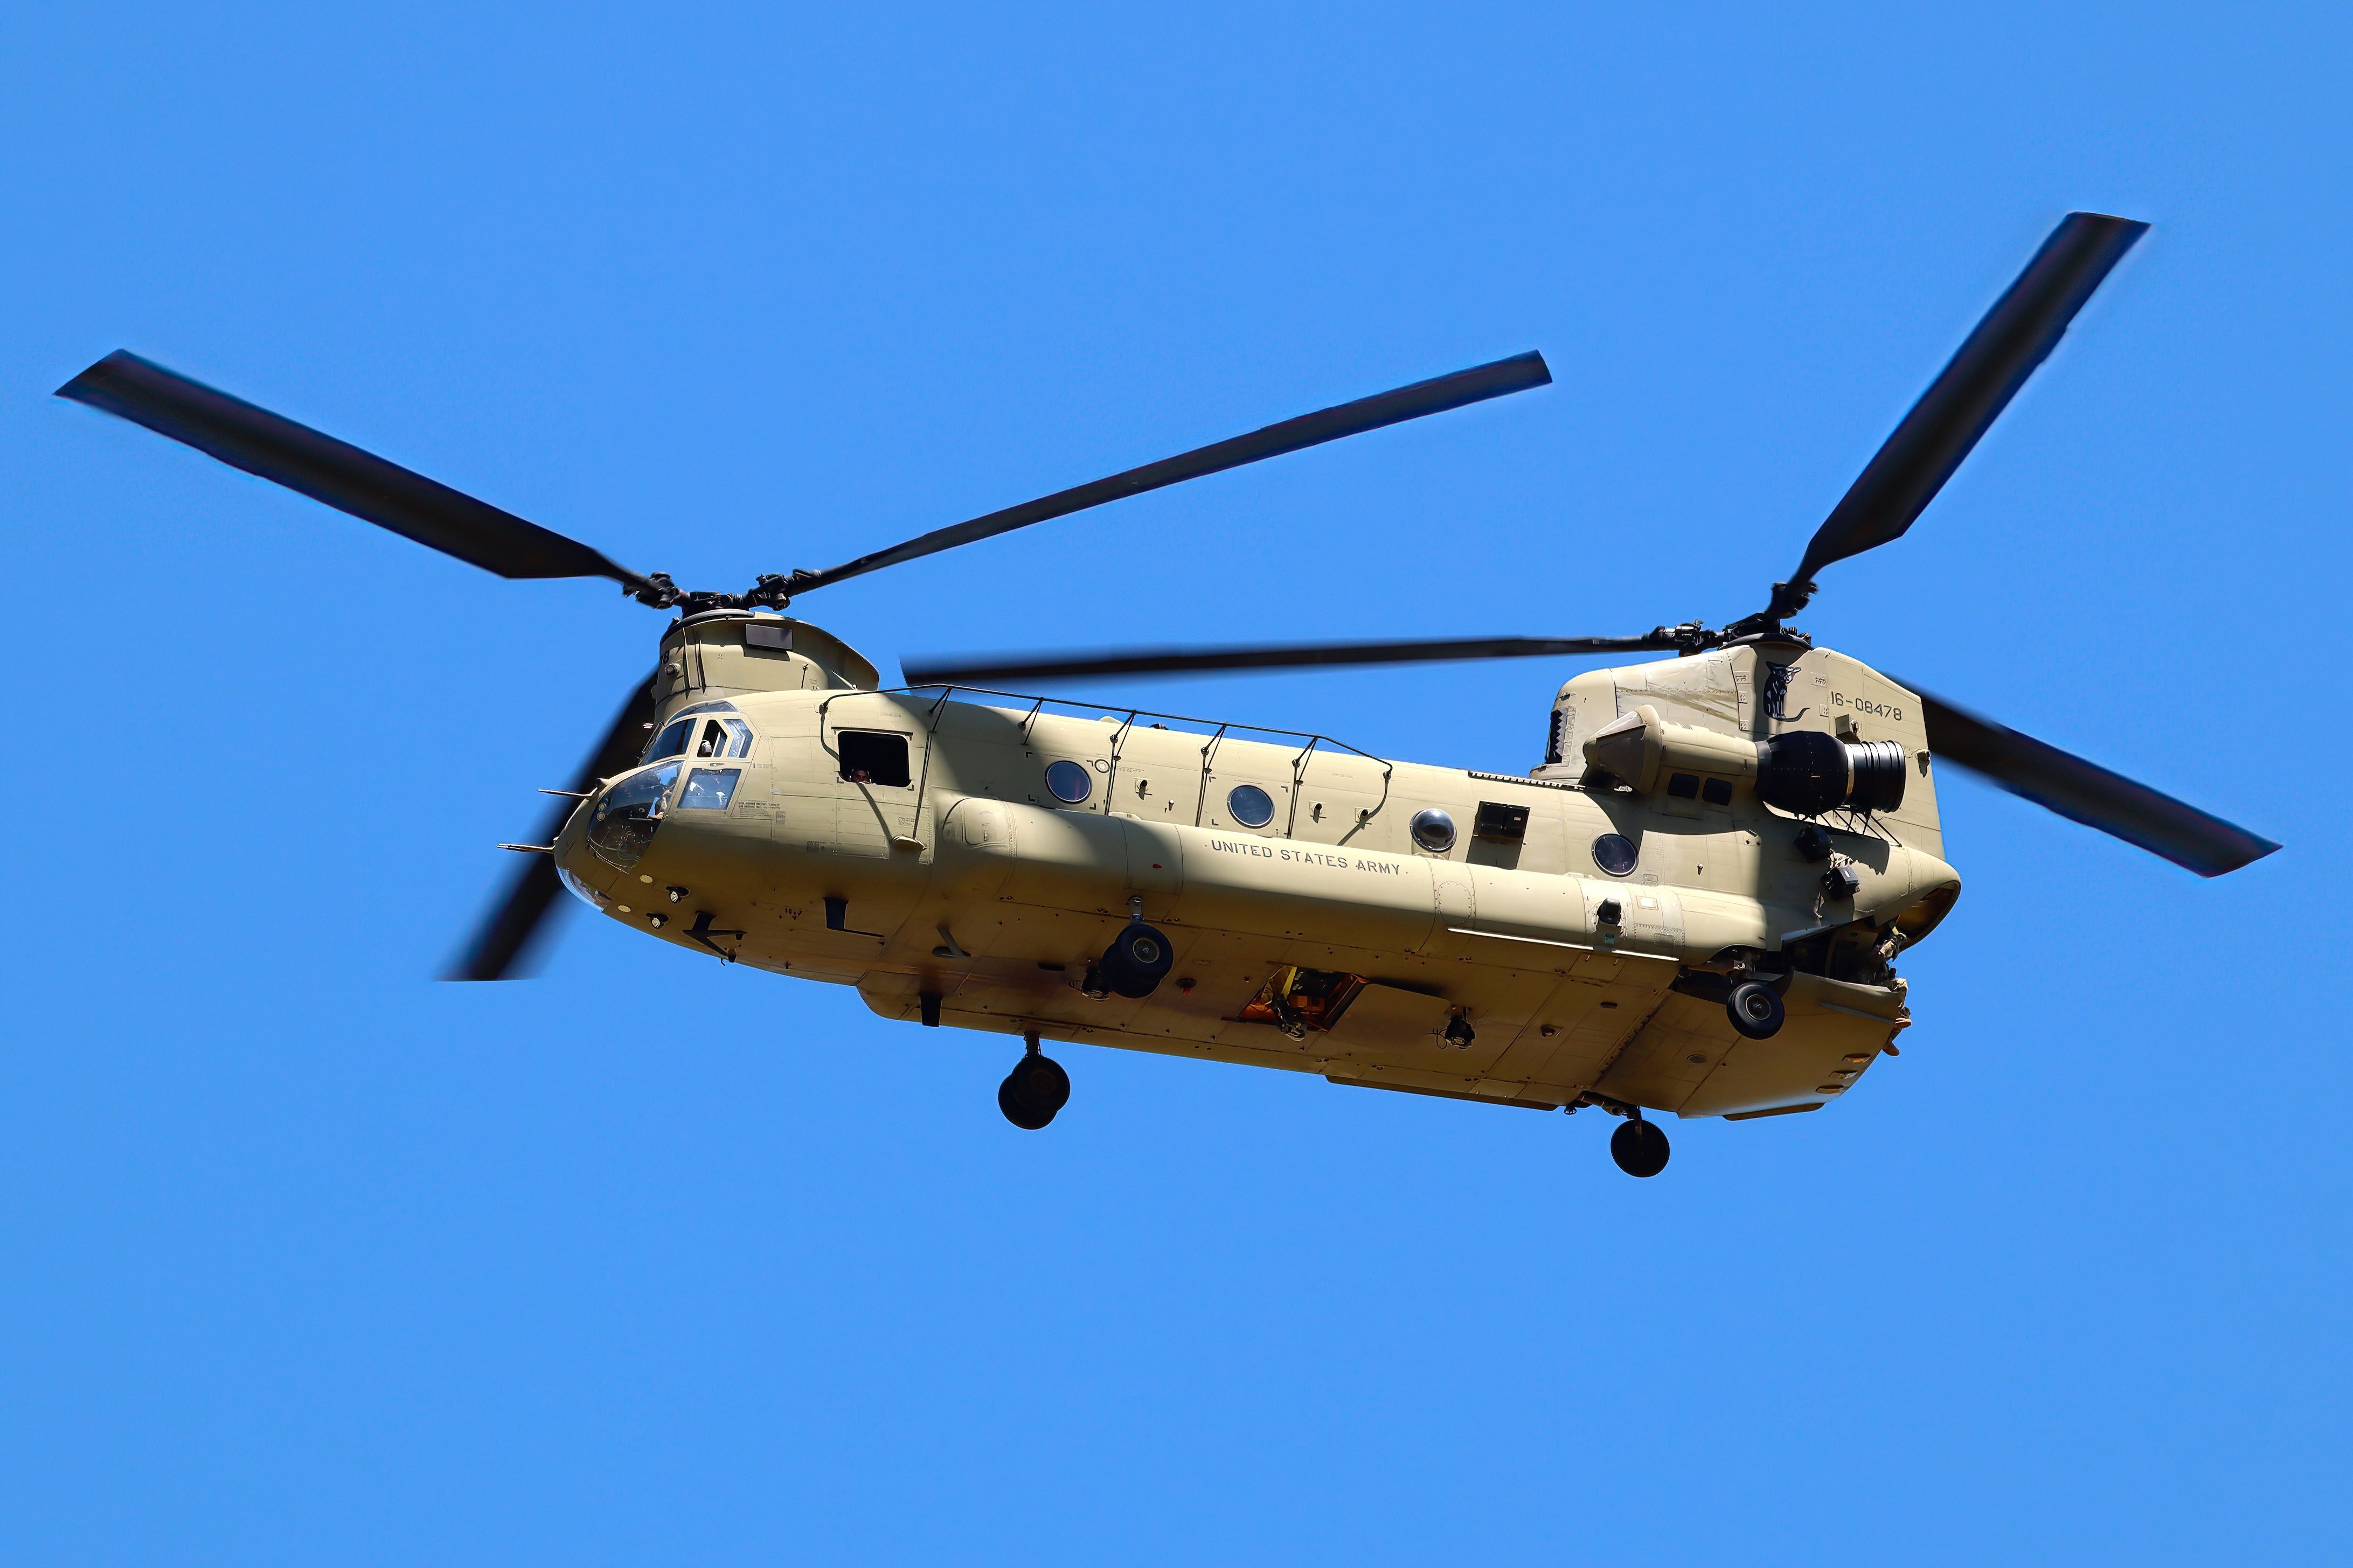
[[1283, 889], [1364, 899]]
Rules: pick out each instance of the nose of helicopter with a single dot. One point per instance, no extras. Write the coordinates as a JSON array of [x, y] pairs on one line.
[[617, 823], [582, 872], [610, 841]]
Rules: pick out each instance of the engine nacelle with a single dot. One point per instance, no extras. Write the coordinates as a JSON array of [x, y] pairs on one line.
[[1800, 770], [1810, 772]]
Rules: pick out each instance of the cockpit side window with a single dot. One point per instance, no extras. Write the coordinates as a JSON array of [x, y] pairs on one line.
[[724, 737], [671, 741], [709, 789]]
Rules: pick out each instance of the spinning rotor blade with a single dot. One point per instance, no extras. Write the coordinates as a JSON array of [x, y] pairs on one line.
[[2086, 793], [333, 471], [975, 671], [1517, 374], [2024, 325], [504, 940]]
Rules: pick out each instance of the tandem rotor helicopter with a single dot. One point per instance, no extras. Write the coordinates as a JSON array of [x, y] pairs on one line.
[[1694, 904]]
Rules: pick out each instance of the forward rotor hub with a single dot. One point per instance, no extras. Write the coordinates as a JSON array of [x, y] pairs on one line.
[[772, 591]]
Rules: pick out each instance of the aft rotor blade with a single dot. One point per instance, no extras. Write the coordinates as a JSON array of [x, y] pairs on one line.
[[335, 472], [1518, 373], [505, 941], [2017, 334], [975, 669], [2086, 793]]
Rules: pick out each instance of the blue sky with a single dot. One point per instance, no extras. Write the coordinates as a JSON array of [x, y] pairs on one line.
[[307, 1258]]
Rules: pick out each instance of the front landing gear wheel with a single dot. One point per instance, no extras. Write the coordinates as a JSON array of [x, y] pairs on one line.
[[1640, 1148], [1138, 959], [1034, 1091]]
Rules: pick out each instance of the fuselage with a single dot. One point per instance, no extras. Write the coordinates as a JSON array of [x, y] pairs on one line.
[[1532, 941]]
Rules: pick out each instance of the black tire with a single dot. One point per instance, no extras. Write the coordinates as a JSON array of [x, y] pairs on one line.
[[1033, 1091], [1137, 961], [1640, 1148], [1019, 1111], [1755, 1009]]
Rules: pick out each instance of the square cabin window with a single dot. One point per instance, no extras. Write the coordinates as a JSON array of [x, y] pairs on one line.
[[709, 789], [871, 758]]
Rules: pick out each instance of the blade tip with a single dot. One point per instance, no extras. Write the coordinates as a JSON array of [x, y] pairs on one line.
[[2262, 849], [83, 387], [2123, 232], [521, 966]]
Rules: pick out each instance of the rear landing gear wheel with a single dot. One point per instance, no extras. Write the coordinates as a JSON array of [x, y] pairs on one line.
[[1755, 1009], [1639, 1147], [1034, 1091]]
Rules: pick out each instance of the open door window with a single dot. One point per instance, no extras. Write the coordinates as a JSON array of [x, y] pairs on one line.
[[874, 757]]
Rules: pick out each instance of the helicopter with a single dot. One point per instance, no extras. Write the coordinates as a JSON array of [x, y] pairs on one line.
[[1694, 904]]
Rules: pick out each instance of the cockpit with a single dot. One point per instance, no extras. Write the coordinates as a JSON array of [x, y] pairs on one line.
[[623, 821]]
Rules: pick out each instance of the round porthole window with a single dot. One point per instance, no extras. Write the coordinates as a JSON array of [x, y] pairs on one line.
[[1614, 853], [1070, 783], [1433, 830], [1251, 805]]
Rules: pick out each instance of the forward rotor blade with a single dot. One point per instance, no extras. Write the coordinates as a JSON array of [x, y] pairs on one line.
[[333, 471], [974, 669], [504, 942], [2086, 793], [1517, 374], [2017, 334]]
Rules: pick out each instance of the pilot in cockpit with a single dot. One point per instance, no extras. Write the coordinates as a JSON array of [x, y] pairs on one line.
[[709, 728]]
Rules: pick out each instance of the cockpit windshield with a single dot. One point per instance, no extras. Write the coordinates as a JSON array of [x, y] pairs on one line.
[[627, 814]]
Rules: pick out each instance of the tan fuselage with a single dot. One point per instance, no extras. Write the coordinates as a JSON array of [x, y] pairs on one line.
[[973, 885]]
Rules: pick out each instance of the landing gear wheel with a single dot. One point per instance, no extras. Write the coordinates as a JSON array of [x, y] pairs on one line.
[[1034, 1091], [1138, 959], [1755, 1009], [1640, 1148]]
